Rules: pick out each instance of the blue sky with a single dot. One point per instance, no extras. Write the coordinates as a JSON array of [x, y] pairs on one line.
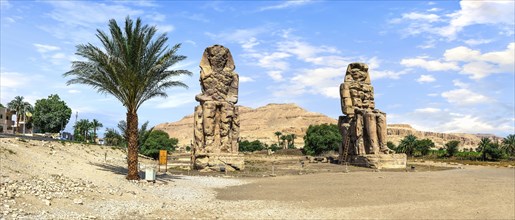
[[445, 66]]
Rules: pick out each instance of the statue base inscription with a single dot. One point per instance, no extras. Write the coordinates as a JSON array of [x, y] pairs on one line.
[[219, 162], [379, 161]]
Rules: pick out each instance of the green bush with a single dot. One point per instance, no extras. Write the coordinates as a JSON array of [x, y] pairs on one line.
[[246, 146], [423, 146], [157, 140], [468, 155], [275, 147], [322, 138]]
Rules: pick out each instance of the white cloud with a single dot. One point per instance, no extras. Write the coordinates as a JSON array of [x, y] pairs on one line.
[[44, 48], [249, 44], [474, 42], [387, 74], [468, 61], [448, 25], [457, 121], [426, 79], [464, 96], [479, 12], [166, 28], [275, 75], [13, 80], [83, 14], [73, 91], [273, 60], [430, 65], [421, 16], [428, 110], [479, 65], [304, 50], [244, 79], [460, 54], [175, 100], [286, 4], [240, 36]]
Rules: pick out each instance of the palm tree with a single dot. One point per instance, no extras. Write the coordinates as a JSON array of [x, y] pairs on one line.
[[278, 134], [284, 138], [82, 128], [289, 140], [407, 145], [21, 107], [508, 144], [133, 66], [95, 124], [483, 146], [452, 147], [293, 136]]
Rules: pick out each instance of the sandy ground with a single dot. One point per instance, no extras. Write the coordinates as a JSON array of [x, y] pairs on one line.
[[52, 180]]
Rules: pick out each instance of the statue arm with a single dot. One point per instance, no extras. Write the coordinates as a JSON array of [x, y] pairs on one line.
[[346, 101], [233, 89]]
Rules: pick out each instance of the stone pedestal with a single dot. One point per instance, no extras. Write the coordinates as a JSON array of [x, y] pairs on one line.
[[380, 161], [218, 162]]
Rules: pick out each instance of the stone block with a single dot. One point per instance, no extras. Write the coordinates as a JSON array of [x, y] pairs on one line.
[[380, 161], [219, 162]]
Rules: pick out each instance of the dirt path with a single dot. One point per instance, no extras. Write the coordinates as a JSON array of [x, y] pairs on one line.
[[471, 193]]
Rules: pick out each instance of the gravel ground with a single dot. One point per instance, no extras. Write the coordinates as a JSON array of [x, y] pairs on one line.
[[52, 180]]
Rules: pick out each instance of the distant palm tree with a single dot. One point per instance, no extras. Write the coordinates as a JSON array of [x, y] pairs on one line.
[[407, 145], [483, 146], [293, 136], [284, 138], [82, 128], [95, 124], [21, 107], [278, 134], [508, 144], [132, 66], [289, 139]]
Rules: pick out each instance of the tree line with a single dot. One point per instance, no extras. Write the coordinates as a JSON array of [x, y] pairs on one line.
[[50, 115]]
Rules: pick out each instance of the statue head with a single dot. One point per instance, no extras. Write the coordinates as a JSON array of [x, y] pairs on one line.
[[218, 57], [357, 72]]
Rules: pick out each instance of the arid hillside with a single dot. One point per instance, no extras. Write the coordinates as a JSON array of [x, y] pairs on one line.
[[261, 124]]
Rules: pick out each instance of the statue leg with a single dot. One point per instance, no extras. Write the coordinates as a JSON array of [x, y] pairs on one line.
[[235, 130], [359, 134], [226, 116], [198, 133], [371, 129], [382, 132], [209, 111]]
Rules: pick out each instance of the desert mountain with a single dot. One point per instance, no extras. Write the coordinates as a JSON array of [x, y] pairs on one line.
[[261, 124]]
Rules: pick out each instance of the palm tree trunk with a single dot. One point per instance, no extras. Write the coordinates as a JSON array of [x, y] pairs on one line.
[[132, 154]]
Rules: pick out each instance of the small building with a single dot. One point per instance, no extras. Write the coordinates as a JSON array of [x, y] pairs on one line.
[[6, 120]]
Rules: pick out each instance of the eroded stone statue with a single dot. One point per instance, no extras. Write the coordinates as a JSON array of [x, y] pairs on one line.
[[216, 122], [364, 125]]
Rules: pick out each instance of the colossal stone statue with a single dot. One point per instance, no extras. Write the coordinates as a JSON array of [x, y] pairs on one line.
[[363, 127], [216, 123]]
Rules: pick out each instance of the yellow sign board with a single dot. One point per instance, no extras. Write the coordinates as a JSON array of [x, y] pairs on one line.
[[163, 157]]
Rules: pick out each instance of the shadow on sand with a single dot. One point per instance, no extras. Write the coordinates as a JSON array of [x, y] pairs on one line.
[[122, 170]]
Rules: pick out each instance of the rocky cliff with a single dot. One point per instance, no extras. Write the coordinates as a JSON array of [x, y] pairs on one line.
[[261, 124]]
